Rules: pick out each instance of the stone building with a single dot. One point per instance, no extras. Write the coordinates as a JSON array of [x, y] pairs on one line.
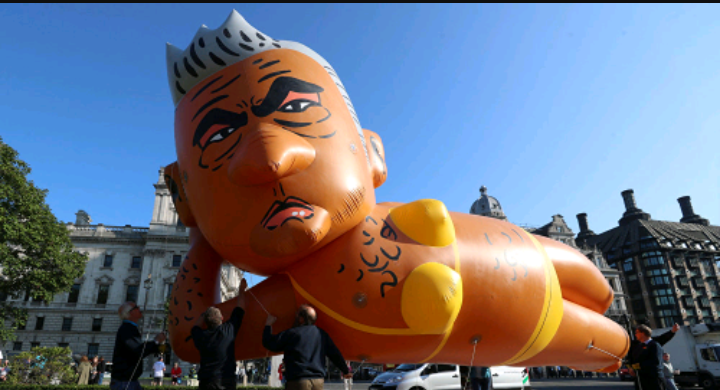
[[558, 230], [487, 206], [668, 268], [125, 263]]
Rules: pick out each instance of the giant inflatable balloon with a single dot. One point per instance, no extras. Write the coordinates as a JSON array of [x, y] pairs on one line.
[[275, 175]]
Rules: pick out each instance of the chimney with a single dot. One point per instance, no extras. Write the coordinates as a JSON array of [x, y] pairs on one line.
[[585, 232], [689, 215], [582, 220], [632, 212], [82, 218], [629, 199]]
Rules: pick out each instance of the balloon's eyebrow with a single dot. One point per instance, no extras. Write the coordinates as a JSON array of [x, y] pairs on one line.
[[271, 75], [279, 91], [208, 104]]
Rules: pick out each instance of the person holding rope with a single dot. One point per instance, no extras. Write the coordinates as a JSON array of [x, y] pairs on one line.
[[216, 345], [636, 348], [305, 347], [648, 366], [130, 349]]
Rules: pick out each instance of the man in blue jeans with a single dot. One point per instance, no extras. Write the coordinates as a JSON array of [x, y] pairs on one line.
[[480, 378]]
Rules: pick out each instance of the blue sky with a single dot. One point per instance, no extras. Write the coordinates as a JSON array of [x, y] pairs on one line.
[[555, 108]]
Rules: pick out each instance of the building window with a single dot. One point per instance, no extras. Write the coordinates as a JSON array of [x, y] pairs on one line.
[[21, 326], [67, 324], [177, 259], [3, 296], [27, 295], [64, 345], [678, 263], [74, 293], [17, 346], [103, 293], [559, 229], [132, 293], [93, 350], [39, 323], [34, 344], [169, 290], [136, 262], [628, 265], [97, 324], [108, 261], [707, 266]]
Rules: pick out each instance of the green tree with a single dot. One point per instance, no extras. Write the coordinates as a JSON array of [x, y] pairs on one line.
[[42, 366], [36, 254]]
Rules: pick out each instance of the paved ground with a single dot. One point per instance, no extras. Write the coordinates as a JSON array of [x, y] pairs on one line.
[[565, 384]]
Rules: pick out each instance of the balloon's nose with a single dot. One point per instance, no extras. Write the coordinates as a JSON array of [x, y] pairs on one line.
[[268, 154]]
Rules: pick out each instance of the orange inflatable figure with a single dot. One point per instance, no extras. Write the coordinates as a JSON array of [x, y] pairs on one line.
[[275, 175]]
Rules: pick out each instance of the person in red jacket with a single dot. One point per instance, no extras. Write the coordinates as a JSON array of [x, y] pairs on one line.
[[281, 371], [175, 374]]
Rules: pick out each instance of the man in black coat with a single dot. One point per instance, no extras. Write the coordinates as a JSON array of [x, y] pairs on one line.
[[216, 345], [130, 349], [305, 347], [636, 348], [648, 361]]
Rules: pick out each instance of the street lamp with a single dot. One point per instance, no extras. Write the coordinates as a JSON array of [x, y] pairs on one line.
[[148, 285]]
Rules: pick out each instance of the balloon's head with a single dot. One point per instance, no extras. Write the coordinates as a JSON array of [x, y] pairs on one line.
[[272, 162]]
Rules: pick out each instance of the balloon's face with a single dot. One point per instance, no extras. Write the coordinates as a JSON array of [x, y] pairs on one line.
[[271, 161]]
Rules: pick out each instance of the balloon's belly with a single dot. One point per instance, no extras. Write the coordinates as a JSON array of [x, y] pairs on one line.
[[492, 285]]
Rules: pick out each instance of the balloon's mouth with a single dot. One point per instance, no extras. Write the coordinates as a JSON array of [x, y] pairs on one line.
[[282, 232], [280, 212]]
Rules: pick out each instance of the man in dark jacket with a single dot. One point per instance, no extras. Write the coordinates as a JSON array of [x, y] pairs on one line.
[[305, 347], [648, 365], [217, 345], [130, 349], [636, 349]]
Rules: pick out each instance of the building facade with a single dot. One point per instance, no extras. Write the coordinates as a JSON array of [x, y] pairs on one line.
[[669, 269], [558, 230], [125, 263]]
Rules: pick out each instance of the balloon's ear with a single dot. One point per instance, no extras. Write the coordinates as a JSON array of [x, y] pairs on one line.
[[175, 184], [376, 153]]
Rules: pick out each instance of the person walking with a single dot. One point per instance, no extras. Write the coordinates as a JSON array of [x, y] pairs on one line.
[[480, 378], [84, 371], [94, 377], [305, 347], [101, 370], [669, 373], [158, 372], [216, 345], [281, 371], [193, 379], [241, 373], [130, 349], [649, 365], [175, 373]]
